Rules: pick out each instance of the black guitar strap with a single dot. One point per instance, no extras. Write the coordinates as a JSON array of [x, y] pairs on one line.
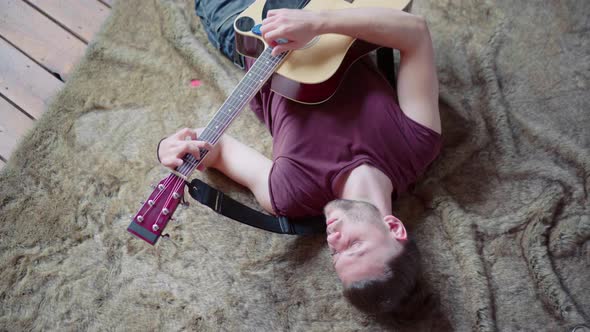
[[385, 62], [223, 204]]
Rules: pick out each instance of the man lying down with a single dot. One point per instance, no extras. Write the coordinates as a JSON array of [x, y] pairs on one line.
[[344, 158]]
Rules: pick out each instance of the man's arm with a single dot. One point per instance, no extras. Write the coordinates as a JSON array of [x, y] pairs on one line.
[[239, 162], [417, 83]]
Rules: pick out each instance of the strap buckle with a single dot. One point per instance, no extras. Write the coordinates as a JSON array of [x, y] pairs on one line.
[[286, 226], [218, 201]]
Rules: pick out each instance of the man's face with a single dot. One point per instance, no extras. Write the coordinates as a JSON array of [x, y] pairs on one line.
[[360, 247]]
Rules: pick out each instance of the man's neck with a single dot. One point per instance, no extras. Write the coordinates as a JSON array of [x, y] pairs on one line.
[[368, 184]]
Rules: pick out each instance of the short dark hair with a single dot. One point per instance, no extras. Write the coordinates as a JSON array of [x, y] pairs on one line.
[[392, 292]]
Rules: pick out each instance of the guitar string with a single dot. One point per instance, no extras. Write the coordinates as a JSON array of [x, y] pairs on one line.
[[260, 73], [230, 104], [220, 123], [260, 70], [252, 73], [220, 118], [176, 187], [171, 178], [223, 118], [257, 72], [261, 77]]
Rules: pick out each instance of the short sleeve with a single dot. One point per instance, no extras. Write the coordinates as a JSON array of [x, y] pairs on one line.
[[424, 143], [293, 192]]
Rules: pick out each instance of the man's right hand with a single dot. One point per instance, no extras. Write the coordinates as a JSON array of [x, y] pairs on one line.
[[173, 148], [298, 26]]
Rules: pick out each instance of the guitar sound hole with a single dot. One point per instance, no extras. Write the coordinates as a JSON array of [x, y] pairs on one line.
[[245, 23]]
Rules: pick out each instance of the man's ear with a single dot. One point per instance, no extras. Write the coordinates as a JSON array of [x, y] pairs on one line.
[[396, 228]]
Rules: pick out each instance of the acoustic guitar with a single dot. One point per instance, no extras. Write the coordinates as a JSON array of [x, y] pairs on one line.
[[308, 75], [312, 74]]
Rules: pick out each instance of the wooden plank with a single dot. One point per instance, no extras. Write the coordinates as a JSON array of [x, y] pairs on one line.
[[82, 17], [39, 37], [24, 82], [13, 125]]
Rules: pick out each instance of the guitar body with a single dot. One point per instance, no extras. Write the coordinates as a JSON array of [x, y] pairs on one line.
[[312, 74]]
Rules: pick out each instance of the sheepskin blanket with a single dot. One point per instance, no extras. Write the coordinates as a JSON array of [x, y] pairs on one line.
[[502, 217]]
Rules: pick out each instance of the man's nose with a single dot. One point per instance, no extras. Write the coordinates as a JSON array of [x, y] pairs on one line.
[[333, 239]]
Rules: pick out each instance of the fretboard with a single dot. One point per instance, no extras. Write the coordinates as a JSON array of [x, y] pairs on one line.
[[246, 89]]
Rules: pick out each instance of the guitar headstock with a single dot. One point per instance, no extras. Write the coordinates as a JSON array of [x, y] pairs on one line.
[[153, 216]]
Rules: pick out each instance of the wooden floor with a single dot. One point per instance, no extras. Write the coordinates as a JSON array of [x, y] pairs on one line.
[[40, 43]]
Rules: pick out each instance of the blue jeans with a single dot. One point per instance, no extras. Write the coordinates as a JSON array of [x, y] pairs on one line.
[[218, 18]]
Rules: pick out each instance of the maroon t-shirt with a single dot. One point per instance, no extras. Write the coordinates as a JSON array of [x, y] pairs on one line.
[[313, 145]]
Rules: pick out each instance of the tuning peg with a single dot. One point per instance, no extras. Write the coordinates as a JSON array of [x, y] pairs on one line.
[[166, 239], [183, 202]]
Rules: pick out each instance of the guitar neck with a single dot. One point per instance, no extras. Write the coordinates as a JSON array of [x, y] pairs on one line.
[[259, 73]]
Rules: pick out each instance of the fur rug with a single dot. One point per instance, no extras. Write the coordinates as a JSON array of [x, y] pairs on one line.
[[502, 217]]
